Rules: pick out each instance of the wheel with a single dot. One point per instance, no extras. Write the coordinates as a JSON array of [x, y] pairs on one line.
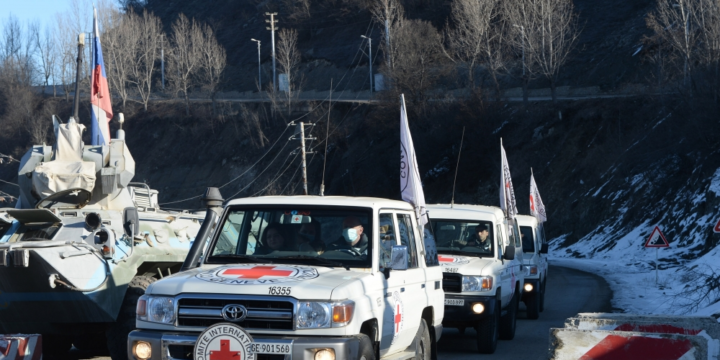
[[532, 303], [542, 296], [118, 331], [461, 330], [56, 346], [91, 342], [423, 349], [366, 350], [509, 321], [487, 332]]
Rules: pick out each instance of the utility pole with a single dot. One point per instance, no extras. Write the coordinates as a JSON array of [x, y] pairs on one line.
[[272, 29], [303, 152], [259, 66], [162, 60], [370, 59]]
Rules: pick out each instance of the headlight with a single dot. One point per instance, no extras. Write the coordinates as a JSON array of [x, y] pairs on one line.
[[477, 283], [159, 309], [318, 314], [531, 270]]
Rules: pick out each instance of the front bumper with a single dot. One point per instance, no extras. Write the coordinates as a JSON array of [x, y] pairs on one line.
[[536, 287], [179, 346], [456, 316]]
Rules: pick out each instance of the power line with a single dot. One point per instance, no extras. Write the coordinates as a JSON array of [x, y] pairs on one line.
[[11, 183]]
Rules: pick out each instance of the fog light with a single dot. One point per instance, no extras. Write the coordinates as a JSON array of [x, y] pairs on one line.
[[142, 350], [478, 308], [325, 354], [528, 287]]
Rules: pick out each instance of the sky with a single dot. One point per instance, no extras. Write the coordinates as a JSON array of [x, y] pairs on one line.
[[30, 10]]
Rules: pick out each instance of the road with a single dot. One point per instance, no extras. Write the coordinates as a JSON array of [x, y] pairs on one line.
[[568, 292]]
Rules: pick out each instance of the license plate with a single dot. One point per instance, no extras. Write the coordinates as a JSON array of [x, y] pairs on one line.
[[272, 347], [455, 302]]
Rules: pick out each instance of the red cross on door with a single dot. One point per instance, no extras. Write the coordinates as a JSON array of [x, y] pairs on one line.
[[398, 319], [225, 353], [257, 272]]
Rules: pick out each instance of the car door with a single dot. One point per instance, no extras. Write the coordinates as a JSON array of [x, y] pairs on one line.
[[506, 272], [542, 258]]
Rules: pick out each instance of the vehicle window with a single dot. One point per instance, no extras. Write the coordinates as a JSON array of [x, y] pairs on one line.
[[464, 237], [386, 233], [407, 238], [528, 239], [431, 253], [518, 241], [329, 235], [540, 234], [499, 241]]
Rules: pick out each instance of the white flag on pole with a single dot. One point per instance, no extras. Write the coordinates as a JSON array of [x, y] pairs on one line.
[[410, 184], [507, 193], [537, 208]]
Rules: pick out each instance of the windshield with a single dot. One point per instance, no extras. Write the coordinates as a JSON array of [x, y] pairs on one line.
[[463, 237], [528, 240], [330, 235]]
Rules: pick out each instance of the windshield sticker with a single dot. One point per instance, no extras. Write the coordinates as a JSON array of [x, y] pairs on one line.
[[254, 274], [446, 260], [398, 315]]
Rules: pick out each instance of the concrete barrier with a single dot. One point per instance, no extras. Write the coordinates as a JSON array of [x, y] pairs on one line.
[[20, 347], [688, 325], [573, 344]]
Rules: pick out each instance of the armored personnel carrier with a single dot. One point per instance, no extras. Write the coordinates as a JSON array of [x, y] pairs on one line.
[[83, 244]]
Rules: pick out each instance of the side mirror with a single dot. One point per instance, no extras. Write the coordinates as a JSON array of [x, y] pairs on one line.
[[131, 221], [509, 253], [398, 258], [544, 249]]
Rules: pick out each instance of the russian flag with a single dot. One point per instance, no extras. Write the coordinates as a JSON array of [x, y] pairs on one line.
[[99, 93]]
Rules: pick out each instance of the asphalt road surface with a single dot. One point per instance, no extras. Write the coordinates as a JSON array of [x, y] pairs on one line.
[[568, 292]]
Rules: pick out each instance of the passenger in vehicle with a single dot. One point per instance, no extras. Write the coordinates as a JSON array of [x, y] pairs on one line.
[[387, 239], [352, 241], [309, 238], [481, 239], [272, 239]]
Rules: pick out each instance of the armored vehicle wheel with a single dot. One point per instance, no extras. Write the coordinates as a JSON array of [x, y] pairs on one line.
[[118, 331], [422, 342], [533, 305], [366, 350], [461, 330], [509, 321], [542, 296], [488, 331], [56, 346]]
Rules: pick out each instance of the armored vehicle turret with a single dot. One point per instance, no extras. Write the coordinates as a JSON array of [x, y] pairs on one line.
[[83, 244]]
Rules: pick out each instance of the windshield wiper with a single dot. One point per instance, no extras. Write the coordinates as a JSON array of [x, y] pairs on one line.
[[257, 259], [321, 261]]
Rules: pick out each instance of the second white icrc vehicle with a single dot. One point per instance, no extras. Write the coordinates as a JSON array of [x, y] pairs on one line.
[[535, 259]]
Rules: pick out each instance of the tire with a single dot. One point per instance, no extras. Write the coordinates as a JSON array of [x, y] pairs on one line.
[[542, 296], [488, 330], [422, 342], [56, 346], [533, 305], [365, 350], [508, 323], [118, 331]]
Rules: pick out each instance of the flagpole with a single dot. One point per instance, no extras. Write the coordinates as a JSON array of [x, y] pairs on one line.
[[418, 215]]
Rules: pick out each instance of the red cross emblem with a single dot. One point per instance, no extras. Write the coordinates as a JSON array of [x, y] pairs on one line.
[[225, 353], [257, 272], [532, 204], [398, 318], [445, 259]]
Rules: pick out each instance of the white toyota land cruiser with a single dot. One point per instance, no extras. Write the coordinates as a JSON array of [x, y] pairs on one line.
[[535, 259], [300, 277], [481, 257]]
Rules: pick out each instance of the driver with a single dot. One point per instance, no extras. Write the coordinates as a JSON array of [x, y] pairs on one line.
[[353, 240], [481, 239]]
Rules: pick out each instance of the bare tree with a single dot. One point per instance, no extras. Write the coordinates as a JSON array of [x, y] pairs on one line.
[[674, 21], [288, 57], [389, 14], [469, 37], [185, 58], [212, 63], [146, 30], [523, 22], [120, 43], [46, 46]]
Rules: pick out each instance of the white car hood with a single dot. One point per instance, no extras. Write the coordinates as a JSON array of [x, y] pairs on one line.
[[466, 265], [305, 281]]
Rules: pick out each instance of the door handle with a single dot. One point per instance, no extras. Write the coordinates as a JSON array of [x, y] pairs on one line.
[[402, 289]]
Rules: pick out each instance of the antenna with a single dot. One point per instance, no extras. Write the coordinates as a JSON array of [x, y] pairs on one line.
[[452, 200], [327, 130]]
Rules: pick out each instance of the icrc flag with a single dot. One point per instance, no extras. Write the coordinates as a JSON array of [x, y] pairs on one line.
[[410, 184], [99, 93], [537, 208], [507, 193]]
